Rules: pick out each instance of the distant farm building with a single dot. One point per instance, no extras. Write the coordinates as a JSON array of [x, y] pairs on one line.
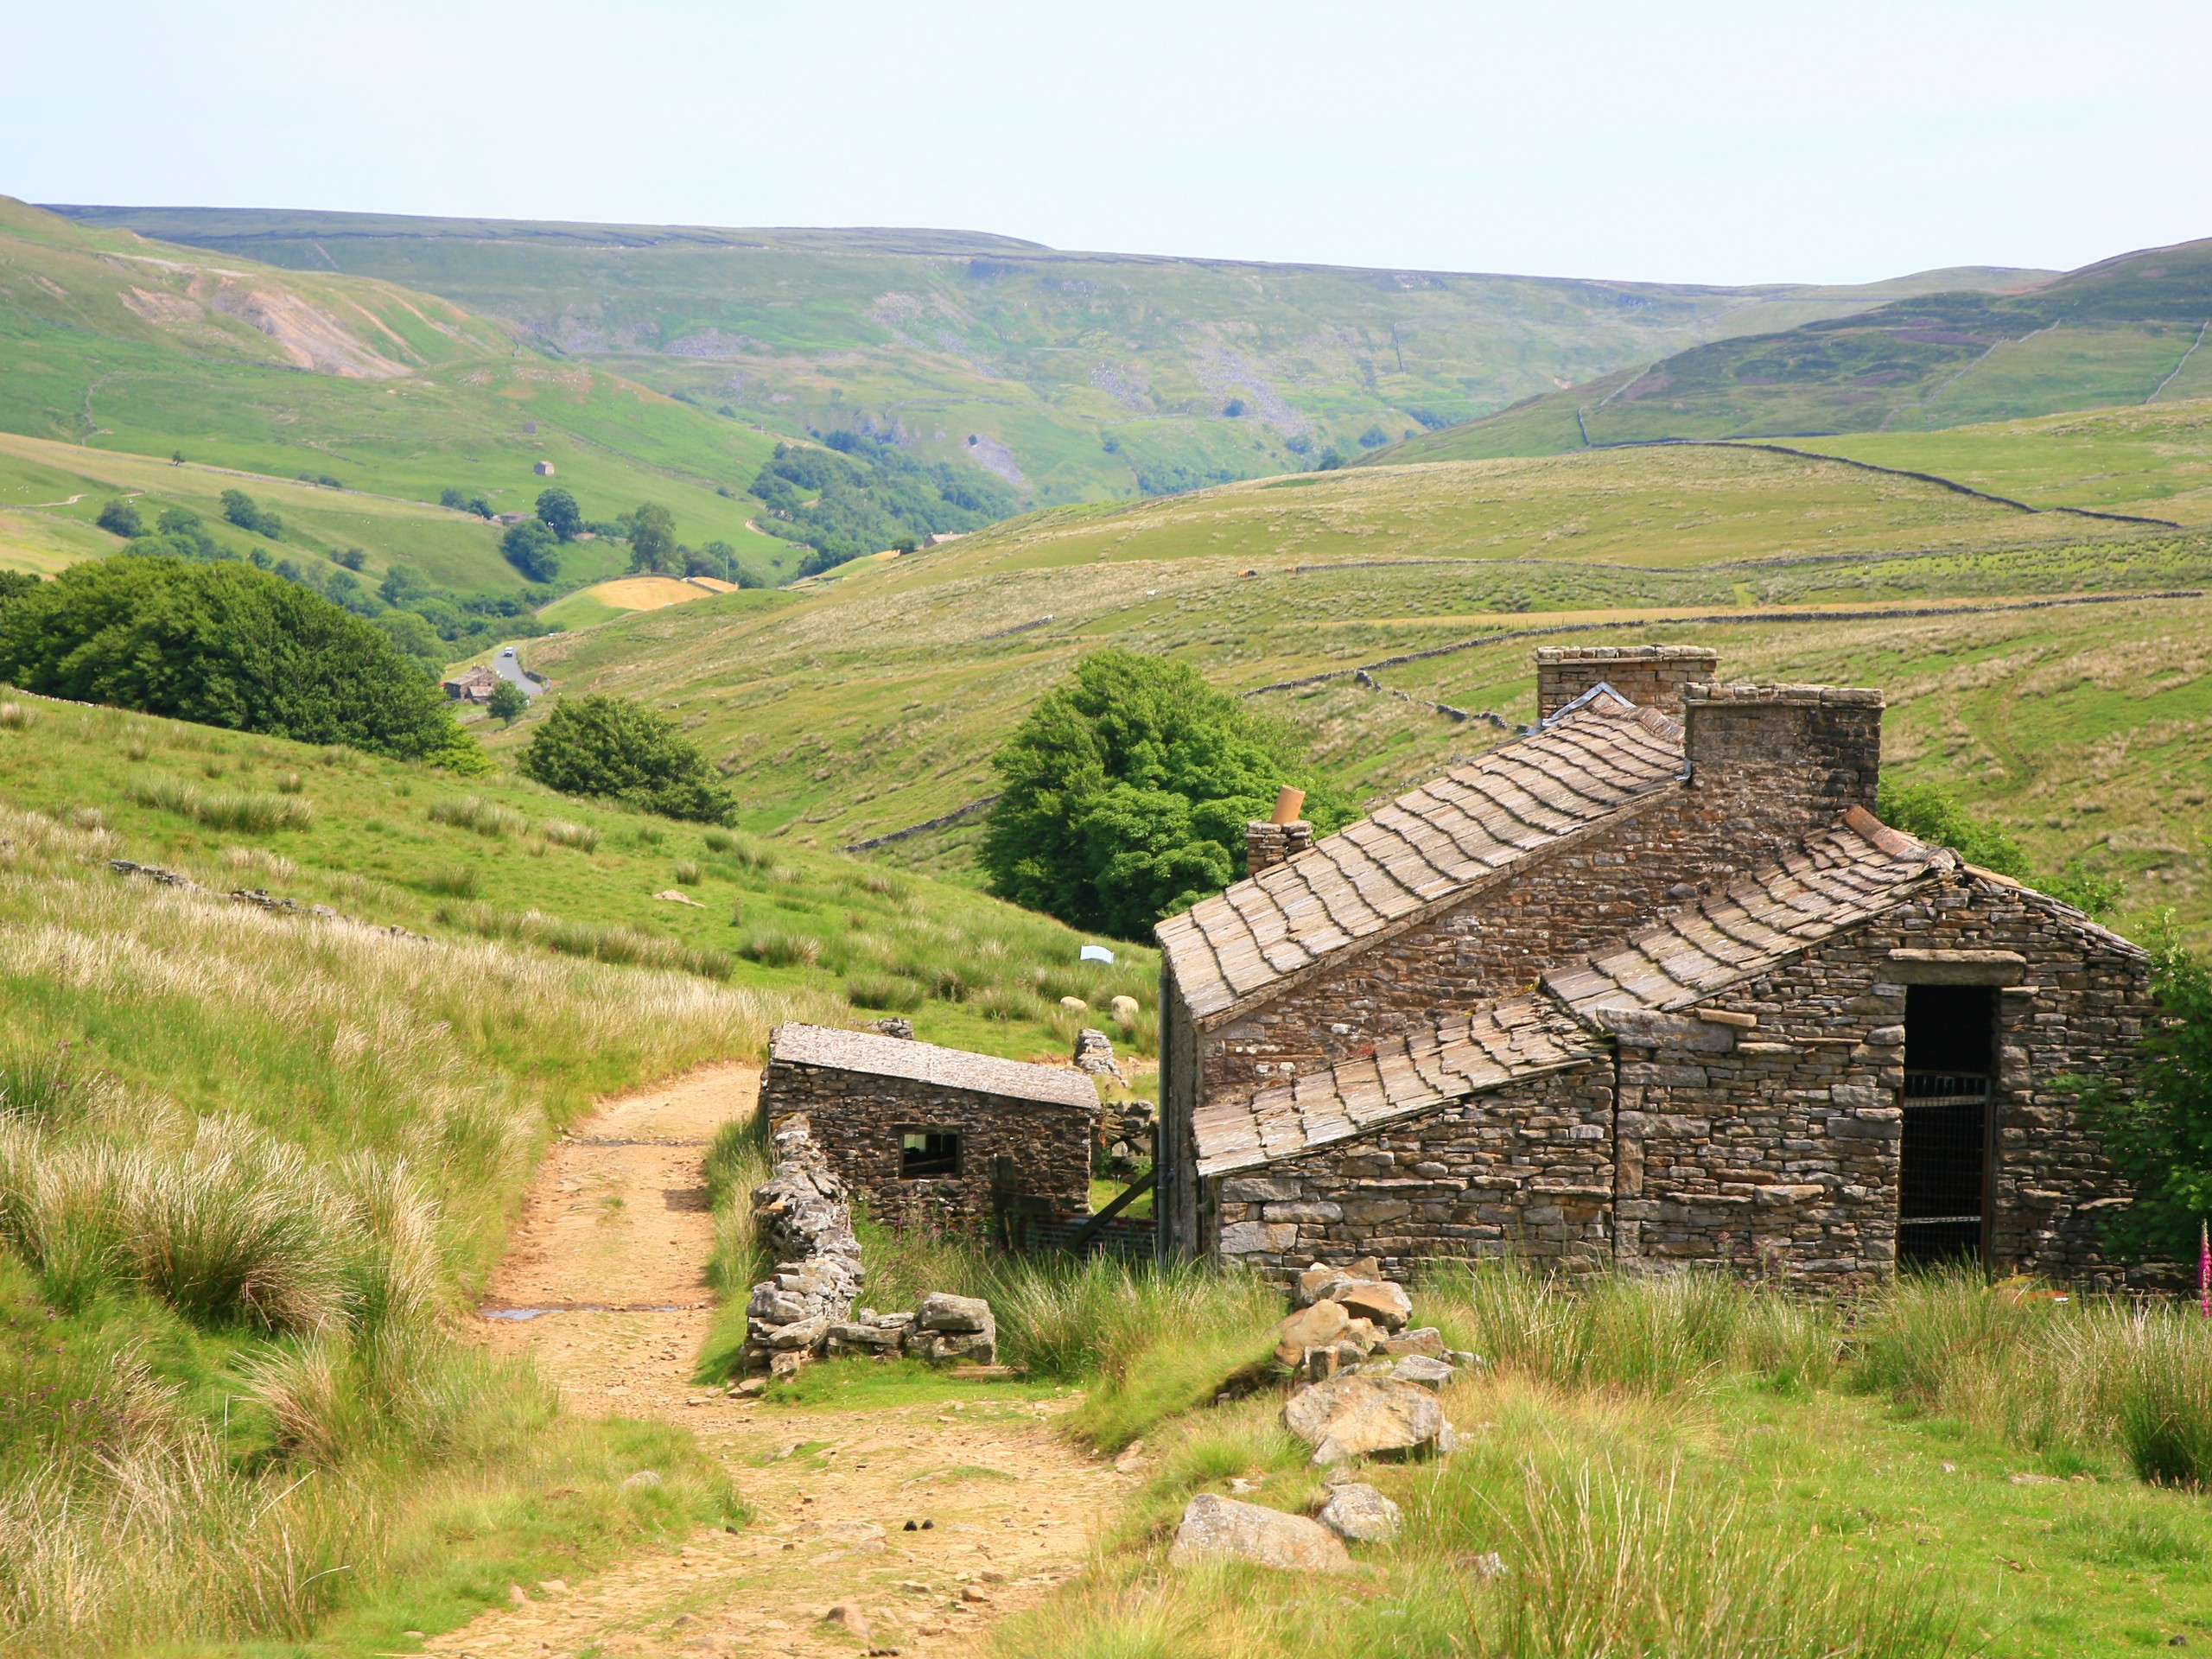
[[1649, 986], [933, 1136], [543, 469], [473, 685]]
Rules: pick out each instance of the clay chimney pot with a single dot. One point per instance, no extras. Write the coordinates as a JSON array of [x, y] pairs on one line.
[[1287, 804]]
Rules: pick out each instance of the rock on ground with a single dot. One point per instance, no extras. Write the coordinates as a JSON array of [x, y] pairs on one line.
[[1217, 1528], [1358, 1514], [1354, 1415]]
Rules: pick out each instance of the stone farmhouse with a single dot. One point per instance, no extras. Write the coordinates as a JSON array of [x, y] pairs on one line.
[[936, 1137], [1649, 985]]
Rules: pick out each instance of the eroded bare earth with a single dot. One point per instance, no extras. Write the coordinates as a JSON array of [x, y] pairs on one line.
[[614, 1239]]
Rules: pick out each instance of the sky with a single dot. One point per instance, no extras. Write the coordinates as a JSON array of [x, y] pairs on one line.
[[1713, 143]]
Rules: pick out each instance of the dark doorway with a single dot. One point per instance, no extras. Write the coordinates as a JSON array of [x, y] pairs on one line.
[[1950, 1043], [928, 1152]]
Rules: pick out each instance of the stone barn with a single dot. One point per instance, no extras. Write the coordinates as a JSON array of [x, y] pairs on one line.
[[936, 1136], [1647, 985]]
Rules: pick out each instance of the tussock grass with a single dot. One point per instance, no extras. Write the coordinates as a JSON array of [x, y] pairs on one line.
[[889, 992], [16, 717], [487, 818], [627, 945], [248, 814], [562, 833], [454, 882], [248, 1164], [782, 950]]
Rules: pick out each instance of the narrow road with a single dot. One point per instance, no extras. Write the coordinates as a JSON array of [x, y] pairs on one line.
[[611, 1245], [508, 667]]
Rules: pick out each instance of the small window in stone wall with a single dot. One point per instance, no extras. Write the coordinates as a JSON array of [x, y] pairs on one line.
[[928, 1152]]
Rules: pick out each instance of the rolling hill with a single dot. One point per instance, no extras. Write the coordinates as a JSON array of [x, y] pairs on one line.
[[2124, 331], [1073, 376], [1390, 612]]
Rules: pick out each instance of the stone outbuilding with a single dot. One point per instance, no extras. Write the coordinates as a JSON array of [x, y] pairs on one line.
[[932, 1136], [1650, 986]]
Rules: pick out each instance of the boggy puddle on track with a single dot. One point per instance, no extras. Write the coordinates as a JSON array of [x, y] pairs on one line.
[[602, 1285]]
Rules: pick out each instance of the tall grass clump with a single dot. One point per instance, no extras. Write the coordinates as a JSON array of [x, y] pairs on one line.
[[739, 1158], [15, 717], [2083, 1374], [1607, 1560], [1649, 1336], [628, 946], [454, 880], [487, 818], [779, 949], [561, 832], [247, 814]]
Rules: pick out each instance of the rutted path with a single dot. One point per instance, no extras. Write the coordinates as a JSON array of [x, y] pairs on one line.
[[614, 1239]]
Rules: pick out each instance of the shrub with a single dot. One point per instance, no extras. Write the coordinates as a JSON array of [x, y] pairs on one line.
[[486, 818], [533, 550], [612, 747], [246, 513], [564, 833], [224, 644], [120, 517]]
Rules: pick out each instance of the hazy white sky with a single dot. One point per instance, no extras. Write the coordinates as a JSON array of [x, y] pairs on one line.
[[1694, 141]]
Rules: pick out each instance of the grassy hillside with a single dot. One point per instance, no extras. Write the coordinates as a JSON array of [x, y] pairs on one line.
[[398, 845], [2125, 331], [872, 702], [1075, 376], [109, 343]]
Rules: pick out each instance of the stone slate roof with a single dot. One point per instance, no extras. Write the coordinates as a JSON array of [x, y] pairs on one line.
[[1421, 852], [876, 1055], [1835, 880], [1461, 1055]]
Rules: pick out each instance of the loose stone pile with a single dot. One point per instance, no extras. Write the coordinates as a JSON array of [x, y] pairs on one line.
[[1093, 1052], [804, 1213], [1364, 1386]]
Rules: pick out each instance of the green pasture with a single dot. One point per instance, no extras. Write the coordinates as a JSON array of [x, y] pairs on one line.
[[504, 859], [1104, 375]]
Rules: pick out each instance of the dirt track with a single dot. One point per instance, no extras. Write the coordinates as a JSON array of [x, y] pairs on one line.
[[613, 1237]]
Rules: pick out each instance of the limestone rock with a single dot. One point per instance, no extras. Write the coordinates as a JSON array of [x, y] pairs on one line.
[[1430, 1373], [1217, 1529], [1353, 1416], [941, 1310], [1358, 1514], [1381, 1300]]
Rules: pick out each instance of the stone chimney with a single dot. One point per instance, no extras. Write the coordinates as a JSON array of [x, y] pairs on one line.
[[1774, 763], [1279, 838], [1650, 677]]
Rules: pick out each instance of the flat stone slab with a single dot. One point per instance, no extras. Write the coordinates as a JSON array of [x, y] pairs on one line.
[[1360, 1515], [1217, 1529], [1356, 1415]]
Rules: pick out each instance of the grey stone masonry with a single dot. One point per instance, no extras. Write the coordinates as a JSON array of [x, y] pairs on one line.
[[978, 1147], [1269, 844], [1650, 677]]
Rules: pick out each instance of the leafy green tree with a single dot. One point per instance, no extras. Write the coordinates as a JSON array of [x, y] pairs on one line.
[[402, 584], [1127, 790], [224, 644], [2161, 1137], [507, 703], [351, 558], [531, 549], [558, 510], [599, 745], [1925, 811], [120, 517], [652, 539], [246, 513], [13, 584], [415, 640]]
